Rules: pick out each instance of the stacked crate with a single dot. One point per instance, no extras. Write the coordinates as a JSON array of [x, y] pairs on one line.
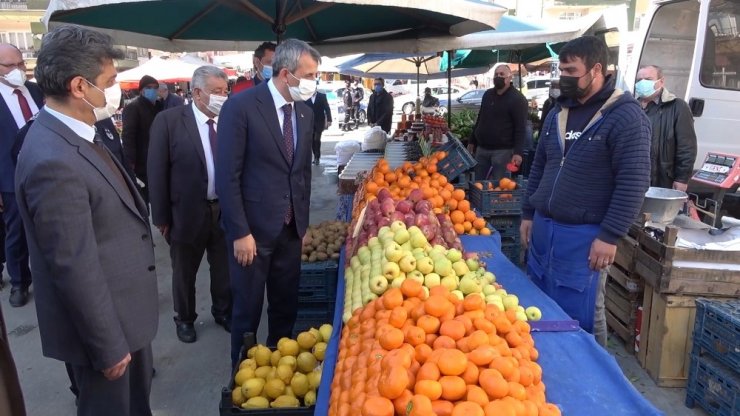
[[624, 290], [714, 374], [317, 293], [503, 211]]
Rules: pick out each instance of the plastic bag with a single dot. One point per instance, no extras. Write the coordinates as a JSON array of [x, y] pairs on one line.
[[345, 149], [375, 139]]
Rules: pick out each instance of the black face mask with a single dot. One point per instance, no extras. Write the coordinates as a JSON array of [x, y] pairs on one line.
[[569, 86], [499, 83]]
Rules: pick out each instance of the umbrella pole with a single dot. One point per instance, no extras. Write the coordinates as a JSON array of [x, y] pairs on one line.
[[449, 86]]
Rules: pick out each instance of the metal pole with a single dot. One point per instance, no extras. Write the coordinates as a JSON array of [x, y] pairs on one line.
[[449, 85]]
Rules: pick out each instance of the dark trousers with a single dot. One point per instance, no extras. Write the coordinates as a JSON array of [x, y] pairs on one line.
[[186, 258], [16, 247], [277, 265], [125, 396], [349, 115], [316, 144], [491, 164], [2, 248]]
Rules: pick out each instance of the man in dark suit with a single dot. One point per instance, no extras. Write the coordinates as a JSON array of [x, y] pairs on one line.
[[321, 121], [168, 100], [262, 61], [137, 120], [184, 202], [19, 101], [263, 181], [88, 233]]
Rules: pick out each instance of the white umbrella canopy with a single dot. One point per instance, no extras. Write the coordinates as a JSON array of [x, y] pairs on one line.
[[163, 70], [196, 25]]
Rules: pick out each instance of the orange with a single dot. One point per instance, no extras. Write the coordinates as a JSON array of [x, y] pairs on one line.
[[452, 328], [391, 339], [458, 194], [503, 365], [493, 383], [479, 223], [402, 401], [474, 302], [442, 407], [485, 231], [476, 394], [463, 205], [451, 204], [482, 355], [517, 391], [393, 381], [436, 305], [419, 406], [429, 388], [428, 371], [452, 362], [500, 408], [377, 406], [430, 324], [414, 336], [398, 317], [467, 409], [443, 341], [548, 409], [470, 216], [471, 374], [422, 353], [457, 217], [411, 288], [453, 388], [371, 187], [459, 228]]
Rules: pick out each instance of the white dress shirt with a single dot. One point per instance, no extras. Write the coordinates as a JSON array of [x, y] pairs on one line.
[[279, 103], [201, 120], [12, 101], [80, 128]]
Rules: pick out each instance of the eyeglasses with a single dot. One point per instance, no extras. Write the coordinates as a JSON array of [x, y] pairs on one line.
[[15, 65]]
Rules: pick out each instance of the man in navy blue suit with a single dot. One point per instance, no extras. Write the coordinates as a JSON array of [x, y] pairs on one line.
[[263, 181], [19, 101]]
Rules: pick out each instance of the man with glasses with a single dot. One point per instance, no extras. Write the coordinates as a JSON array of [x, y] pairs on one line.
[[263, 182], [185, 206], [21, 100], [673, 148]]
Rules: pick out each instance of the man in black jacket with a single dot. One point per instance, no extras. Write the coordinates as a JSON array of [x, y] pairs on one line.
[[349, 107], [380, 108], [673, 149], [499, 134], [137, 119], [321, 120]]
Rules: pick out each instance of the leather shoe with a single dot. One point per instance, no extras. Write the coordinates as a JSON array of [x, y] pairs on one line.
[[224, 322], [18, 297], [186, 332]]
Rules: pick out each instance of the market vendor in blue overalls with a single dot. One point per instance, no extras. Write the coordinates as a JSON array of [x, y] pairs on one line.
[[587, 184]]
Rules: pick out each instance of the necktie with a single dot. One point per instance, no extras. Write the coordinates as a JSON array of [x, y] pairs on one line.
[[212, 138], [25, 108], [102, 150], [288, 137]]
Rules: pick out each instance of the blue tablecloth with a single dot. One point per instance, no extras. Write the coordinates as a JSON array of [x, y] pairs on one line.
[[581, 377]]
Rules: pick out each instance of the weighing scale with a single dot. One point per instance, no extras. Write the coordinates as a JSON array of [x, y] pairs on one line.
[[721, 172]]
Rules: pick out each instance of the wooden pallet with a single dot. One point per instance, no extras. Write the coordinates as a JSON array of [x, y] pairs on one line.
[[666, 336], [659, 263], [621, 310]]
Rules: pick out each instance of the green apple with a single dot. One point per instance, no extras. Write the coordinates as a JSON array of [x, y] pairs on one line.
[[489, 289], [407, 246], [397, 225], [373, 242], [460, 268], [454, 254], [469, 285], [533, 313], [378, 284], [415, 275], [402, 236], [407, 263], [394, 253], [383, 231], [397, 281], [511, 302], [391, 270], [443, 267], [426, 291], [501, 292], [364, 254], [450, 282], [355, 262], [459, 294], [418, 241], [414, 230], [521, 316], [425, 265], [490, 277], [431, 280], [473, 264]]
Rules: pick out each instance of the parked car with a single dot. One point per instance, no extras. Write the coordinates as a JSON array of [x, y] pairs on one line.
[[537, 88], [361, 116], [405, 103], [470, 99]]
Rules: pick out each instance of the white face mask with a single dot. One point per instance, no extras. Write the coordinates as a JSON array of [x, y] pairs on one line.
[[304, 90], [112, 101], [215, 102], [15, 78]]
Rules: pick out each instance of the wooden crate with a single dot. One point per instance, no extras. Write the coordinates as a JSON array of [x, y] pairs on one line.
[[671, 269], [621, 310], [626, 254], [666, 336]]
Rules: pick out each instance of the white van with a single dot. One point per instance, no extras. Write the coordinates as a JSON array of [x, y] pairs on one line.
[[697, 44]]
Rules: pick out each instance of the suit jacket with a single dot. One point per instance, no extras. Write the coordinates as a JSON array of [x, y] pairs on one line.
[[8, 132], [321, 112], [90, 246], [178, 179], [137, 119], [255, 180], [172, 101]]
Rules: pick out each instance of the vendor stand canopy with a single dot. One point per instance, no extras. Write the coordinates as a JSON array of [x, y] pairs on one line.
[[402, 66], [194, 25], [163, 69]]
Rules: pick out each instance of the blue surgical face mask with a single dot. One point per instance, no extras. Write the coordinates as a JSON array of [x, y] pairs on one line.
[[150, 94], [645, 88], [378, 88], [267, 71]]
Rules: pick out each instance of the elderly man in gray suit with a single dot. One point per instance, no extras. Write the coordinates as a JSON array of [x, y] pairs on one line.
[[89, 239]]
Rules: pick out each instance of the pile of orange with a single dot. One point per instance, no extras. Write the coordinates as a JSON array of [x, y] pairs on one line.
[[407, 353], [436, 189], [504, 184]]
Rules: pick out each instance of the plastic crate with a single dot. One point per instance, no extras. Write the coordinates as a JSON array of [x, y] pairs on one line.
[[463, 181], [457, 161], [490, 203], [713, 386], [506, 225], [717, 331], [512, 252], [313, 315], [318, 282]]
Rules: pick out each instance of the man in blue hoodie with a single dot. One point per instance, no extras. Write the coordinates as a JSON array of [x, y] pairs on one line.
[[587, 184]]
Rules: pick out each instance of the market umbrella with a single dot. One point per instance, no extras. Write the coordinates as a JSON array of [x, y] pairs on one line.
[[163, 69], [192, 25]]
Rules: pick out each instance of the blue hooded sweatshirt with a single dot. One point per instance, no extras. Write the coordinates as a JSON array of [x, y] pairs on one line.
[[606, 172]]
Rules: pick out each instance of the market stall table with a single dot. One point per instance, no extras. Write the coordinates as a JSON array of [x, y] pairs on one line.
[[581, 377]]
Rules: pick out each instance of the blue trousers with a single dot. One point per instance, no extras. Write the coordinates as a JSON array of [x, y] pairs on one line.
[[16, 247], [558, 264]]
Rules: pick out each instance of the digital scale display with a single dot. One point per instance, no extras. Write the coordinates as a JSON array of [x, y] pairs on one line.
[[720, 170]]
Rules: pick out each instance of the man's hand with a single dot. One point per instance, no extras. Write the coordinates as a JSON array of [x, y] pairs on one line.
[[517, 160], [680, 186], [163, 229], [245, 250], [117, 370], [525, 231], [601, 255]]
